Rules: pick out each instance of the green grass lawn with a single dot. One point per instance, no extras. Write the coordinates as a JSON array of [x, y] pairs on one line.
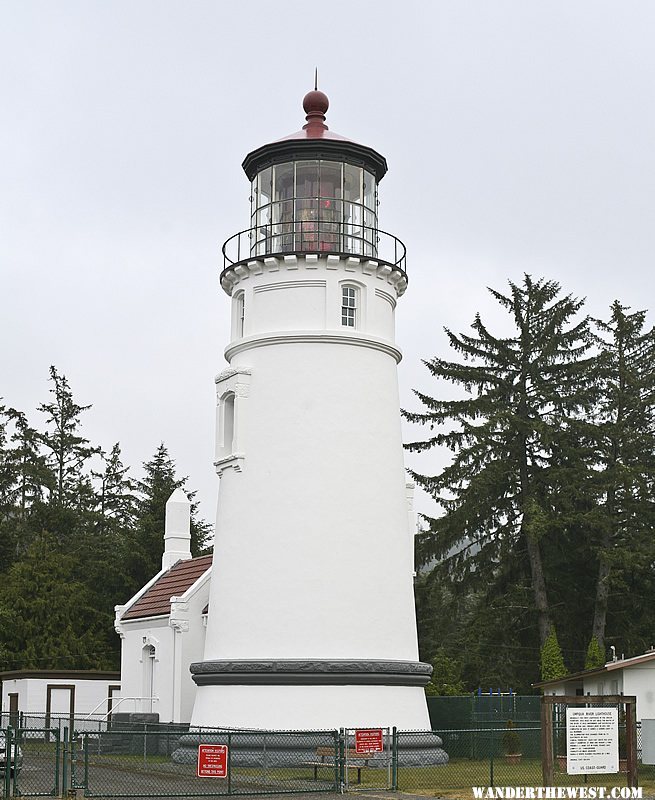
[[453, 780], [456, 778]]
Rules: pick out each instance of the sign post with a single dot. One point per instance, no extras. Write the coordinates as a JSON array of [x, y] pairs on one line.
[[592, 740], [212, 761], [592, 734]]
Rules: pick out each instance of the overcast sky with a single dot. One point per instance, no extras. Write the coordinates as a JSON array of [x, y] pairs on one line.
[[520, 137]]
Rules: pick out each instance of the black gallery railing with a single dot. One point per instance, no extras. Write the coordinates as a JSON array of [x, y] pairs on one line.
[[314, 236]]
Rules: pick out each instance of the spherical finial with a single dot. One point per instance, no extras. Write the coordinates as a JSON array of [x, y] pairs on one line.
[[315, 103]]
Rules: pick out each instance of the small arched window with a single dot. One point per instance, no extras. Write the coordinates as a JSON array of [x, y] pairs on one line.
[[240, 314], [228, 423], [148, 656], [349, 296]]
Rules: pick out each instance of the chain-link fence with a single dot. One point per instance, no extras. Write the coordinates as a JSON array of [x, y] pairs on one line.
[[476, 757], [31, 761], [147, 760], [483, 710], [163, 764], [499, 757]]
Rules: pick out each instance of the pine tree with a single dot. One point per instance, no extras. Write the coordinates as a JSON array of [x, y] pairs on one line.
[[552, 661], [23, 477], [594, 657], [508, 436], [67, 451], [145, 541], [446, 677], [7, 475], [625, 437], [55, 623], [30, 466], [115, 497]]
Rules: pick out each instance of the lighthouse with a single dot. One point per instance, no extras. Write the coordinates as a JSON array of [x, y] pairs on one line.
[[311, 620]]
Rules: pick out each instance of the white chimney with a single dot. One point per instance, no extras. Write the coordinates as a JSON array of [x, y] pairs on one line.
[[177, 532]]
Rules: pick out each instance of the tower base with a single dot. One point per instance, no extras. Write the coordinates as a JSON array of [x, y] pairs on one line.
[[288, 749], [319, 694]]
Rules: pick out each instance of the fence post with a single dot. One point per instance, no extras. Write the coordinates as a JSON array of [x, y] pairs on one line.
[[64, 766], [13, 742], [547, 742], [7, 775], [85, 744], [264, 760], [57, 757], [394, 758], [229, 762], [491, 759], [631, 744], [342, 757]]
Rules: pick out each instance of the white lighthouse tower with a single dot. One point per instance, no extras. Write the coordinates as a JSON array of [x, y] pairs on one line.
[[311, 613]]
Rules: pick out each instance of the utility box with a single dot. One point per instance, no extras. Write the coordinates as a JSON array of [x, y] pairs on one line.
[[648, 741]]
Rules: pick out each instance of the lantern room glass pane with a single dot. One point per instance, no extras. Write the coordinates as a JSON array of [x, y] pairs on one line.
[[264, 197], [307, 182], [330, 209], [283, 182], [352, 183], [330, 180], [253, 199], [369, 190]]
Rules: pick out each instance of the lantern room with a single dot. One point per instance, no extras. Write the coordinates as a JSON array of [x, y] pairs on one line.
[[314, 192], [314, 205]]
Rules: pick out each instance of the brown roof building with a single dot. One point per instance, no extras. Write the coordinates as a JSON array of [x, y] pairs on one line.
[[162, 628], [156, 600]]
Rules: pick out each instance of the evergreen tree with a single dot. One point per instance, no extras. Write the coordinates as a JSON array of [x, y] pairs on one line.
[[525, 393], [625, 428], [552, 661], [23, 475], [446, 677], [145, 541], [55, 623], [7, 475], [595, 657], [32, 473], [7, 497], [67, 451], [115, 498], [6, 621]]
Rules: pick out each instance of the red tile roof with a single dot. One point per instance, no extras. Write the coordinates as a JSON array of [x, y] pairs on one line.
[[156, 602]]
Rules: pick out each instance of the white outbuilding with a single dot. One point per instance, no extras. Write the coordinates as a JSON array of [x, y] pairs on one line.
[[629, 676], [50, 698], [162, 628]]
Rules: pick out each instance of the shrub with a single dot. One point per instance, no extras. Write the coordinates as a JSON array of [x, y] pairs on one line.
[[511, 740], [552, 661]]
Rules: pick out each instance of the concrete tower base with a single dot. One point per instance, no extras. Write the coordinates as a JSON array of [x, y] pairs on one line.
[[298, 694], [289, 749]]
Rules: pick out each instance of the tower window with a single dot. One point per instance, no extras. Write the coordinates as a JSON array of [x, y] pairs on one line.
[[348, 306], [228, 422], [240, 313]]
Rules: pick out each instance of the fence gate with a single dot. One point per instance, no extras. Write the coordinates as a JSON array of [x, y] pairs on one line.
[[367, 759], [32, 758]]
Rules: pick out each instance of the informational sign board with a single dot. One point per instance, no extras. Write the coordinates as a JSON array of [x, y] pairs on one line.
[[369, 740], [212, 761], [592, 740]]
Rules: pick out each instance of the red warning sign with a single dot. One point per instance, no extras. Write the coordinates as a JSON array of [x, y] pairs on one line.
[[212, 761], [369, 740]]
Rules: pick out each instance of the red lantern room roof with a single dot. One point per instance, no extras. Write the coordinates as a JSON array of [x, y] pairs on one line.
[[315, 140]]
